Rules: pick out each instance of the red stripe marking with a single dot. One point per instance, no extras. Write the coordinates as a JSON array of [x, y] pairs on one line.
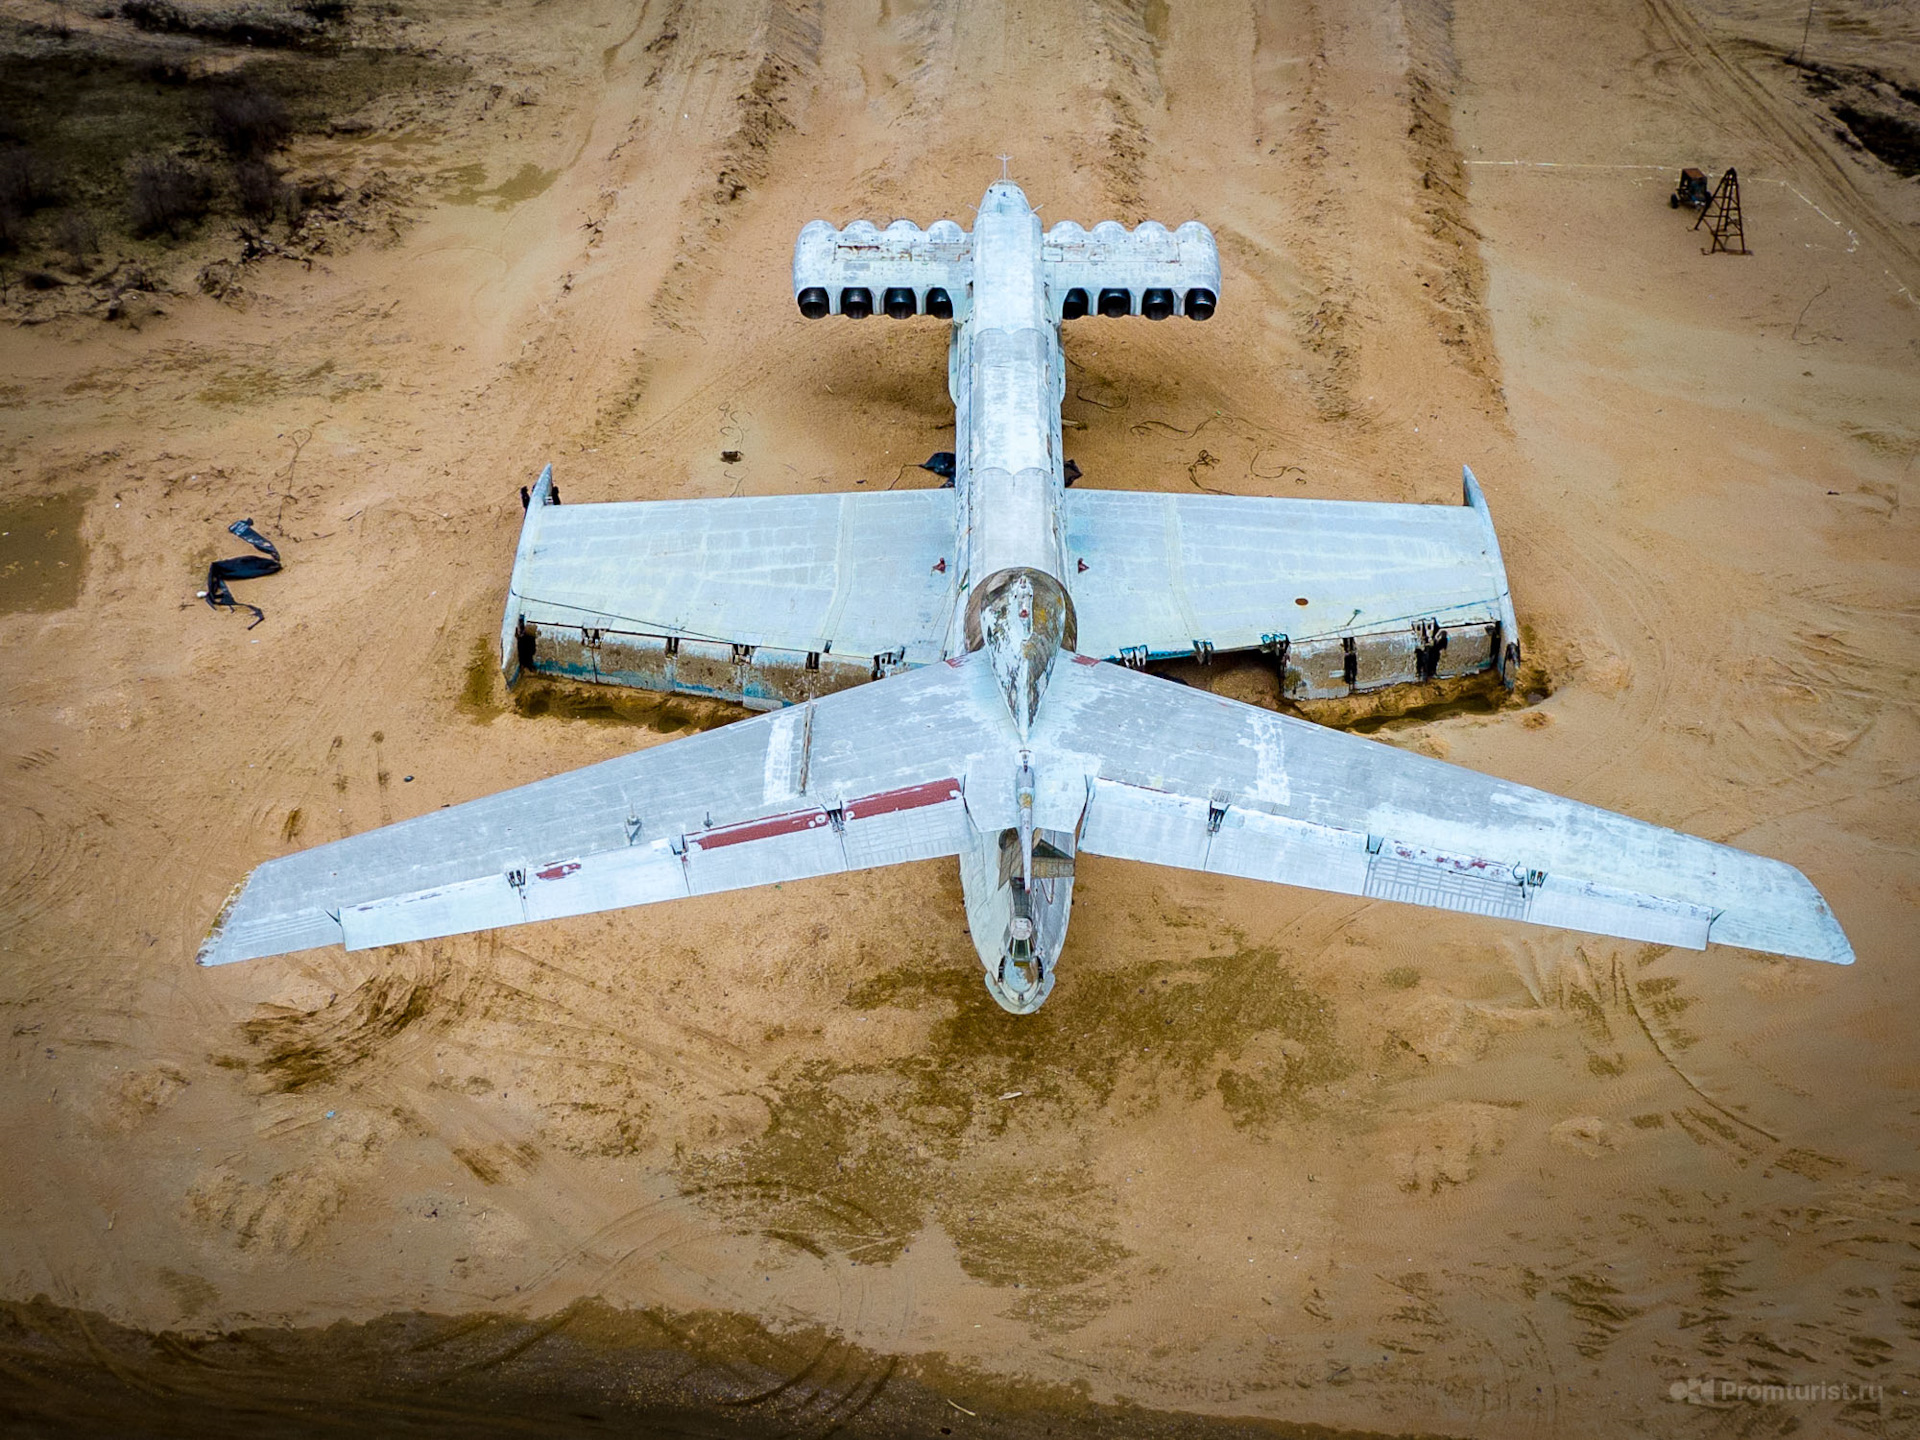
[[773, 826], [557, 872], [1136, 785], [867, 807], [1453, 863], [1085, 660], [913, 797]]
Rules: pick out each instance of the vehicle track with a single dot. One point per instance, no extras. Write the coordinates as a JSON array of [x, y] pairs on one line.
[[1781, 123]]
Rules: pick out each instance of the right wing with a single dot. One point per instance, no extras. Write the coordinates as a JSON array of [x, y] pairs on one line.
[[873, 777], [1198, 781], [766, 600], [1351, 595]]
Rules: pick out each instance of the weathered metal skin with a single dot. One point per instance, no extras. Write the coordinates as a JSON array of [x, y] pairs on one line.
[[1010, 477], [996, 734], [759, 677], [1006, 288], [1023, 619]]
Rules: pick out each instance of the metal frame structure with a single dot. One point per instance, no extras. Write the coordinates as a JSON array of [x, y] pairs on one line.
[[1725, 224]]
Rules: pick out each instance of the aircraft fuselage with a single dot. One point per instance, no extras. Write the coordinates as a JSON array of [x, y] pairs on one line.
[[1007, 377]]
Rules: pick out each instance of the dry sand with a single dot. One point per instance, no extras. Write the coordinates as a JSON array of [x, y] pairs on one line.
[[1272, 1154]]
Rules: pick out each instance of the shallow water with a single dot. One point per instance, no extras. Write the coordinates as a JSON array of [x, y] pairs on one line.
[[42, 555], [587, 1369], [526, 183]]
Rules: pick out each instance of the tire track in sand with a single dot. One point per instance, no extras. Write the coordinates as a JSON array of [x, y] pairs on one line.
[[1733, 88]]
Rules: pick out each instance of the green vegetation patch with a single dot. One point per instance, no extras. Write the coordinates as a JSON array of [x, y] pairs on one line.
[[104, 140]]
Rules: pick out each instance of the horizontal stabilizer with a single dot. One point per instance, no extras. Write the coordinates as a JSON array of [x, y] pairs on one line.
[[1203, 783], [918, 822], [872, 777], [924, 763]]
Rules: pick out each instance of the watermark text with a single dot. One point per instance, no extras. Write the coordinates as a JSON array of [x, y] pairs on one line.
[[1708, 1391]]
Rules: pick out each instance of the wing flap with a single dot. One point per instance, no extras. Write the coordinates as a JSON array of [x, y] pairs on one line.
[[920, 822], [454, 909], [797, 846], [1259, 846], [637, 875], [1414, 875], [1135, 822], [1603, 910]]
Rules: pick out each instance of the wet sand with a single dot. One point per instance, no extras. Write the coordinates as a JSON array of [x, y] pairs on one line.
[[1268, 1156]]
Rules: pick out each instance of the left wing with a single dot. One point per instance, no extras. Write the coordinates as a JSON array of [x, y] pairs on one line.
[[1194, 780], [869, 777], [764, 600]]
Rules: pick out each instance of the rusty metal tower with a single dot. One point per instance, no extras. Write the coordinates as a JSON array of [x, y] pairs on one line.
[[1722, 217]]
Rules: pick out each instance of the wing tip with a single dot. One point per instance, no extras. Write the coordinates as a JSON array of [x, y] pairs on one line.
[[1798, 924], [1839, 951], [1830, 944], [209, 952], [1835, 952], [1824, 941]]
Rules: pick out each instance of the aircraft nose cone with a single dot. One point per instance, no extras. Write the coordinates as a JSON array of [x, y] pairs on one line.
[[1004, 195]]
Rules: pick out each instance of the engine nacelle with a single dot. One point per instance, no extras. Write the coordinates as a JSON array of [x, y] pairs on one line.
[[904, 271], [1150, 270], [901, 271]]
